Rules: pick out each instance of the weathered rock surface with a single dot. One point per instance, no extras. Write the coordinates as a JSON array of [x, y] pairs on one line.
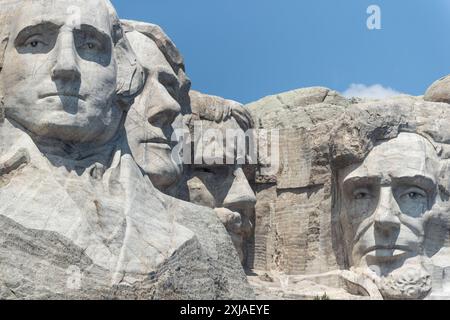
[[439, 91], [79, 218], [299, 229], [358, 208], [292, 224]]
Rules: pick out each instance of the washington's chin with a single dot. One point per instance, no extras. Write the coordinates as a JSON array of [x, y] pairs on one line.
[[71, 128], [75, 120]]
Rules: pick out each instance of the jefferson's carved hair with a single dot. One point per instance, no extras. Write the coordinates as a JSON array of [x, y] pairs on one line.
[[170, 52]]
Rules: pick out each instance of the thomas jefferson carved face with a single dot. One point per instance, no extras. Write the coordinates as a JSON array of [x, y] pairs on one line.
[[149, 121], [385, 201], [59, 75]]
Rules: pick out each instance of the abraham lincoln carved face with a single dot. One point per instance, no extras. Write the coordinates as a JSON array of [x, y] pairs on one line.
[[384, 206]]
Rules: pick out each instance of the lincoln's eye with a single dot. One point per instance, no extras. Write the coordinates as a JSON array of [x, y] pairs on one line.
[[34, 44], [414, 195], [91, 45]]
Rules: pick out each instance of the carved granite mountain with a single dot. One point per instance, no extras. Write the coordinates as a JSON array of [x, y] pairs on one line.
[[79, 218], [333, 151]]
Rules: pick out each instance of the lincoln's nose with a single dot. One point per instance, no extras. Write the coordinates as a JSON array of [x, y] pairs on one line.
[[386, 215]]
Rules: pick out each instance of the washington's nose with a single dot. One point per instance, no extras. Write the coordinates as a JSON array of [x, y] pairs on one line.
[[240, 193], [386, 215], [66, 65], [166, 111]]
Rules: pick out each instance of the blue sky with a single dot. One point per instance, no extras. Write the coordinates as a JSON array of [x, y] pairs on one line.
[[247, 49]]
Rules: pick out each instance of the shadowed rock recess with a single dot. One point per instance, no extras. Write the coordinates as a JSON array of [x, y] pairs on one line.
[[95, 202]]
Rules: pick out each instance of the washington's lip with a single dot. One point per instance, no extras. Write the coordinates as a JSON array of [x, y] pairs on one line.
[[62, 94]]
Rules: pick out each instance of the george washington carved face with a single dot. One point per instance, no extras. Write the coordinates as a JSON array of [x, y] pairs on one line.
[[60, 72]]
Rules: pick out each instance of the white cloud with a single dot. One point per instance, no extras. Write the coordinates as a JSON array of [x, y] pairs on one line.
[[376, 91]]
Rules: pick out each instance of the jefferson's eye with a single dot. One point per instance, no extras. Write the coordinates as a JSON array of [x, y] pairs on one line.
[[34, 44], [89, 45]]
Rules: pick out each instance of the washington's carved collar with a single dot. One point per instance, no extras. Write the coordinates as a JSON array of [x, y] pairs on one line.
[[18, 147], [11, 162]]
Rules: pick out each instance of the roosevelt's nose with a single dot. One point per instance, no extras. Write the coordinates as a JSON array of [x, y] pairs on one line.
[[164, 109], [66, 64], [240, 194], [386, 215]]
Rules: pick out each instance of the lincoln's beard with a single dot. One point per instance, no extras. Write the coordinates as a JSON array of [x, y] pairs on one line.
[[411, 281]]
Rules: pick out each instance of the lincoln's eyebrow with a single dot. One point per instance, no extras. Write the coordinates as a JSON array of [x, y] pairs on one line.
[[360, 180], [39, 28], [421, 181]]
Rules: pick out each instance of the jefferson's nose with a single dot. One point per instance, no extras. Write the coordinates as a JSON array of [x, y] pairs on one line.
[[240, 193], [66, 65], [165, 109], [386, 214]]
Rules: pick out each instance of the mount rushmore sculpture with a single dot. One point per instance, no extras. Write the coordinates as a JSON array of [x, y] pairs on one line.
[[98, 202]]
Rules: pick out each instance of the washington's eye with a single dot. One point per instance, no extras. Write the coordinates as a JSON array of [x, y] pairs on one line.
[[87, 43], [34, 43]]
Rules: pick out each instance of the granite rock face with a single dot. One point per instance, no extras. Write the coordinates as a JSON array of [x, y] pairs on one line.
[[292, 223], [439, 91], [359, 207], [95, 203], [80, 216]]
